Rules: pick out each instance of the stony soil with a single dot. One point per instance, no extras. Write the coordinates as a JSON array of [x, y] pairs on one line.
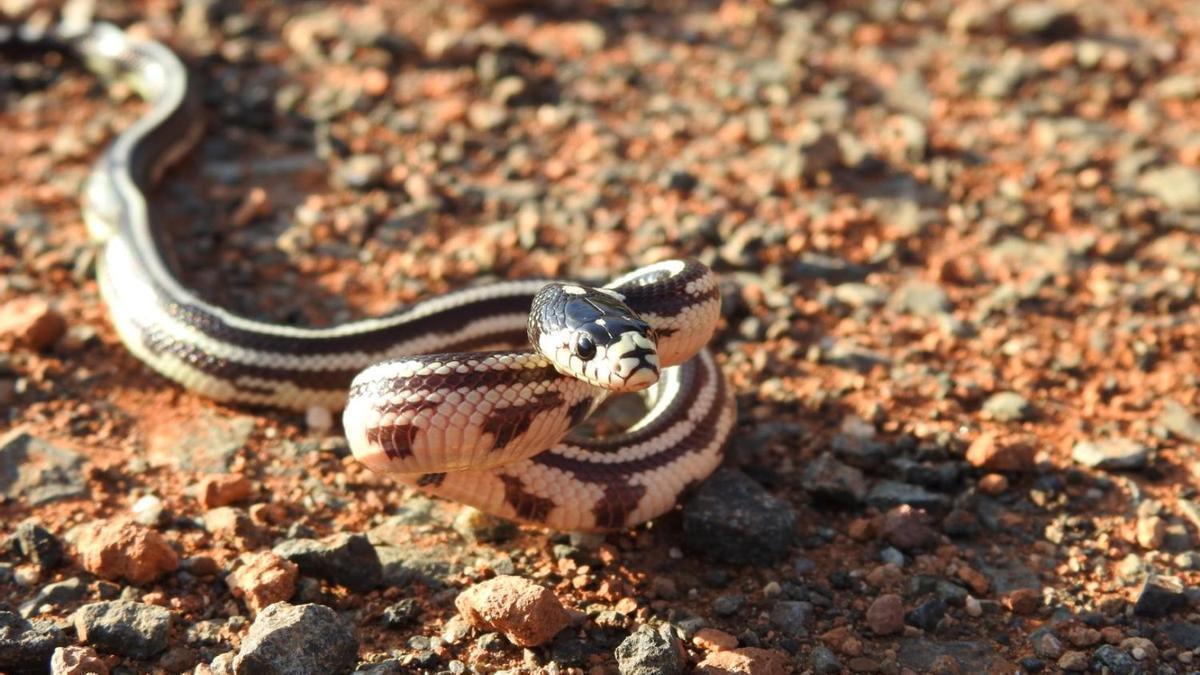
[[960, 244]]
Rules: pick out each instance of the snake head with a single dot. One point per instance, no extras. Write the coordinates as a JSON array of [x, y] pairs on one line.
[[591, 334]]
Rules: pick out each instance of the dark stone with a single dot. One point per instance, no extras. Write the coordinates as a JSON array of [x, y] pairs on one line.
[[26, 646], [791, 616], [1183, 634], [823, 661], [288, 639], [1159, 597], [650, 652], [921, 654], [55, 595], [37, 545], [889, 493], [728, 605], [131, 629], [1117, 661], [1032, 664], [401, 614], [348, 559], [926, 615], [830, 481], [732, 519]]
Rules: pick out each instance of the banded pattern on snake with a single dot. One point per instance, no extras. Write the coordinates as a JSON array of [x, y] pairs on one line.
[[430, 403]]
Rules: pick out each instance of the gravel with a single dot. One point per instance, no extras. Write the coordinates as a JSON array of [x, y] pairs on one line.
[[733, 519], [650, 651], [37, 545], [1111, 454], [830, 481], [34, 470], [26, 646], [346, 559], [1160, 596]]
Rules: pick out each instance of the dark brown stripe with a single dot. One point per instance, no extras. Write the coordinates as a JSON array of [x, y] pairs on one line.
[[484, 379], [396, 440], [527, 505], [431, 479], [509, 423], [619, 500]]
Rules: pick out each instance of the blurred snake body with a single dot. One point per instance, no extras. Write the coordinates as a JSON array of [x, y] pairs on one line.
[[426, 400]]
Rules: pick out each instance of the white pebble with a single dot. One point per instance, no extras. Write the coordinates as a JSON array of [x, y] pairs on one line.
[[147, 510], [974, 608], [772, 589], [318, 418], [27, 575]]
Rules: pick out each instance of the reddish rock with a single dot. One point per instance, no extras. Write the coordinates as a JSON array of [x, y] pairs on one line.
[[120, 549], [995, 454], [77, 661], [745, 661], [978, 583], [713, 640], [526, 613], [228, 523], [264, 578], [223, 490], [906, 528], [886, 615], [1023, 601], [32, 321]]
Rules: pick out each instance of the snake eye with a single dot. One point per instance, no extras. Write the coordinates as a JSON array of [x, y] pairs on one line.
[[585, 348]]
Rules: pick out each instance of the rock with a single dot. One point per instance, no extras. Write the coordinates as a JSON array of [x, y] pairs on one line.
[[361, 171], [1043, 20], [994, 454], [290, 639], [885, 616], [1116, 661], [227, 523], [733, 519], [401, 614], [791, 616], [346, 559], [77, 661], [1023, 601], [36, 472], [1150, 532], [744, 661], [205, 442], [27, 645], [924, 655], [475, 526], [1007, 406], [31, 321], [1047, 645], [1074, 662], [713, 640], [1160, 596], [223, 490], [828, 480], [823, 661], [1177, 186], [728, 605], [1180, 422], [147, 510], [649, 651], [920, 298], [907, 528], [1111, 454], [1183, 634], [124, 550], [262, 580], [887, 494], [54, 595], [526, 613], [926, 615], [37, 545], [132, 629]]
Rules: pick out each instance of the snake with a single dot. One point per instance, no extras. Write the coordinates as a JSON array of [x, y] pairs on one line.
[[475, 395]]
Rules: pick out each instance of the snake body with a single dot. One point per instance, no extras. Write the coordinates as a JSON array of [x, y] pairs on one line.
[[425, 400]]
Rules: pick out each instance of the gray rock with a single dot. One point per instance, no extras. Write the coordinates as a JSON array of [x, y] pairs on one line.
[[1183, 634], [1160, 596], [1007, 406], [26, 646], [828, 480], [1176, 186], [36, 472], [405, 565], [733, 519], [650, 652], [791, 616], [288, 639], [823, 661], [1117, 661], [887, 494], [926, 615], [920, 653], [54, 595], [857, 294], [37, 545], [1042, 19], [347, 559], [728, 604], [1111, 454], [1180, 421], [132, 629], [402, 613], [920, 298]]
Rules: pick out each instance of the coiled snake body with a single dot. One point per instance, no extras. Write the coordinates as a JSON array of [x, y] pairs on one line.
[[482, 428]]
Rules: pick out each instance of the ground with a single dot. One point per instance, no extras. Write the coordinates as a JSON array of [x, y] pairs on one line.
[[959, 244]]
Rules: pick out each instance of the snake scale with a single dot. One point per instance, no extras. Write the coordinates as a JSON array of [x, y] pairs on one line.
[[425, 395]]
